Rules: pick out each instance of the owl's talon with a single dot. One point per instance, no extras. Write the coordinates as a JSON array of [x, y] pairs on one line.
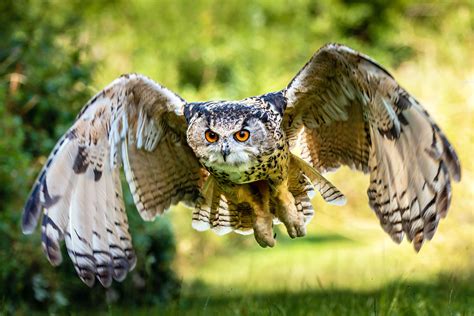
[[295, 229], [291, 232], [263, 231], [301, 230], [265, 241], [293, 220]]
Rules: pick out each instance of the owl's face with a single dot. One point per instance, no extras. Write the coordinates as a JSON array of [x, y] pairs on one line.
[[227, 135]]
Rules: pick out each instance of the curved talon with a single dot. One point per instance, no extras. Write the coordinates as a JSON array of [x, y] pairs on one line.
[[265, 241], [291, 231], [292, 219], [301, 230], [263, 231], [295, 229]]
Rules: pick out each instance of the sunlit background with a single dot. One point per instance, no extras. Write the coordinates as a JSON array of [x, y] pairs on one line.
[[54, 55]]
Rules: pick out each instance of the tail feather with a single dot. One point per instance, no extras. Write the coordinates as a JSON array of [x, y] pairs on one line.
[[218, 212]]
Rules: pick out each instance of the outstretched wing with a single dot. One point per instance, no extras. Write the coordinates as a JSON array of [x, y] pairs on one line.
[[134, 121], [348, 110]]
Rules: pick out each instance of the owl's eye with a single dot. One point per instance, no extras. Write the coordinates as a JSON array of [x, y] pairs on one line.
[[211, 136], [242, 135]]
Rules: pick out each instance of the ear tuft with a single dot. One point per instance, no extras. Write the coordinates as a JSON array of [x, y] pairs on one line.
[[190, 109], [277, 100]]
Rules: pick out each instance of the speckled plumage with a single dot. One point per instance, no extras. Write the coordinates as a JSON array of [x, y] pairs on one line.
[[233, 162], [271, 161]]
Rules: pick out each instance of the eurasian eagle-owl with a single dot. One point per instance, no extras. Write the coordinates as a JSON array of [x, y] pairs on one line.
[[232, 161]]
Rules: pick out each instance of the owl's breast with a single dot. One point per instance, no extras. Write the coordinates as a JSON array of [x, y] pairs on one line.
[[224, 172], [272, 165]]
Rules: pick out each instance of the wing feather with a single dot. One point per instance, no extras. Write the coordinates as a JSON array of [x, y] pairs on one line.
[[79, 232], [134, 121], [100, 243], [352, 112]]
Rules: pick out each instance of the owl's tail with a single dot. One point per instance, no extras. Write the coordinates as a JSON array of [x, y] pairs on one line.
[[219, 214]]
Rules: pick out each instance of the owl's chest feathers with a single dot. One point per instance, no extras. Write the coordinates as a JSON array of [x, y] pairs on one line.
[[271, 165]]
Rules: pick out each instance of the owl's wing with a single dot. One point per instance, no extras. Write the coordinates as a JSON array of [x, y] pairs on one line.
[[133, 121], [348, 110]]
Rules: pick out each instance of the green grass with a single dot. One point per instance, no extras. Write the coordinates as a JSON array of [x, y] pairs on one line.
[[323, 274], [444, 296], [353, 272]]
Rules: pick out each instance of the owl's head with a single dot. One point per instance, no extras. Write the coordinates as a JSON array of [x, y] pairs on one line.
[[230, 134]]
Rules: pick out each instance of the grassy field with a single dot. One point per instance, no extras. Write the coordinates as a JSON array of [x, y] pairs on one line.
[[345, 266], [328, 274]]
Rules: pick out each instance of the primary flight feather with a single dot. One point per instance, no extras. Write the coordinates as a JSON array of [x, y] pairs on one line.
[[232, 161]]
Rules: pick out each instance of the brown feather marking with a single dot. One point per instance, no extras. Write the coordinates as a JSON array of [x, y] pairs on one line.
[[352, 112], [88, 157]]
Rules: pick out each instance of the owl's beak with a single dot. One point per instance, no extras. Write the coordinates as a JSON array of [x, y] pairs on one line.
[[225, 150]]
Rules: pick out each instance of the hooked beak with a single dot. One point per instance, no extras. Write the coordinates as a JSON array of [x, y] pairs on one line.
[[225, 150]]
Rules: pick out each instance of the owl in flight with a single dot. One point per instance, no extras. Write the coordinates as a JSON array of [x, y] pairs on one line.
[[233, 162]]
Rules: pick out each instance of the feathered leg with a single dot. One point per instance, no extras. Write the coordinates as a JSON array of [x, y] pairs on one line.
[[287, 212], [257, 195]]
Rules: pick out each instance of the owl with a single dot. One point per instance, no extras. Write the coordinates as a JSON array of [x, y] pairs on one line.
[[242, 166]]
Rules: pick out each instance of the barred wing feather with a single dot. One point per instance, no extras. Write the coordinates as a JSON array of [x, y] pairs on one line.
[[350, 111], [134, 121]]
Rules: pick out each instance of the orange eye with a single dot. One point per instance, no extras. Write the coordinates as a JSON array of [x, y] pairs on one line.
[[242, 135], [211, 136]]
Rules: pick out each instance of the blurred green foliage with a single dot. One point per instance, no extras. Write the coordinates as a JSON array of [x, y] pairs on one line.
[[54, 55], [43, 82], [40, 73]]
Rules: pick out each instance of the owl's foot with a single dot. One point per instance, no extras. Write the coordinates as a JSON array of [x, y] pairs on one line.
[[293, 220], [263, 230], [288, 214]]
